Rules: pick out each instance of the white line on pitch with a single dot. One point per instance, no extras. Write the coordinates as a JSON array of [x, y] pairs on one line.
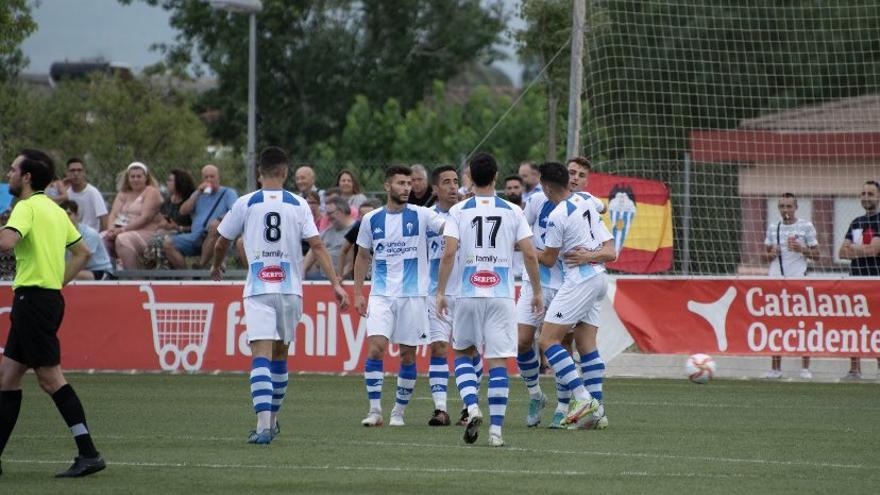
[[734, 460], [406, 469], [634, 454]]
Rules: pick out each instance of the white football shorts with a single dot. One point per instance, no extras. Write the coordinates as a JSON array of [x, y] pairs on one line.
[[524, 315], [485, 321], [402, 320], [272, 316], [441, 327], [580, 301]]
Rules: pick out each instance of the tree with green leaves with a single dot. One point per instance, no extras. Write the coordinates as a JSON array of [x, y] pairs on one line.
[[314, 56], [108, 121], [440, 130], [16, 24]]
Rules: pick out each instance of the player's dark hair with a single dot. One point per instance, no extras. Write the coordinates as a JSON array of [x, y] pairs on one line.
[[873, 183], [75, 160], [435, 174], [273, 162], [554, 173], [397, 170], [40, 166], [68, 204], [789, 195], [582, 161], [513, 177], [483, 169]]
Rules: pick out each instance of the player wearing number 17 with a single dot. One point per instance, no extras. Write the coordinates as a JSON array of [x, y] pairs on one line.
[[574, 225], [274, 222], [481, 233]]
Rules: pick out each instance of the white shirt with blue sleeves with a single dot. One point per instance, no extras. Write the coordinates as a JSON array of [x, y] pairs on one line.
[[273, 223], [487, 229], [575, 223], [399, 244]]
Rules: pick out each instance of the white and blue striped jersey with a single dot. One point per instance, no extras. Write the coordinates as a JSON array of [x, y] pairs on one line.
[[487, 229], [273, 222], [537, 210], [436, 243], [400, 249], [575, 223]]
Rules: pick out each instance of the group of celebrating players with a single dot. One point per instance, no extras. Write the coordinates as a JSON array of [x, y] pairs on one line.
[[441, 275]]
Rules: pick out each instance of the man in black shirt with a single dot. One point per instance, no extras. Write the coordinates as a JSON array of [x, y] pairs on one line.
[[422, 193], [862, 247], [345, 262]]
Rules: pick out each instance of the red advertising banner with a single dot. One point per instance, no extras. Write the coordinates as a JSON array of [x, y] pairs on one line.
[[835, 318], [197, 327]]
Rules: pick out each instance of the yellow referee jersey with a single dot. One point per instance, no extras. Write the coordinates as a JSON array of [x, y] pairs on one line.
[[45, 231]]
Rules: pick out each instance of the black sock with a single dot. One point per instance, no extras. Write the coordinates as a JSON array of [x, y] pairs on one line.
[[71, 410], [10, 405]]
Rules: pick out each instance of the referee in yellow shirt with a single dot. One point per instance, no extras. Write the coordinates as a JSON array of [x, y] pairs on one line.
[[40, 230]]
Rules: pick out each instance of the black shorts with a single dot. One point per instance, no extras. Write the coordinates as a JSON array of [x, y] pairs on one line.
[[33, 336]]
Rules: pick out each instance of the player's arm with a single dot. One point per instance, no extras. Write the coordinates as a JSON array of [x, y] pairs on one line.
[[530, 262], [230, 227], [316, 245], [447, 260], [344, 254], [361, 264], [9, 238], [547, 257], [79, 257]]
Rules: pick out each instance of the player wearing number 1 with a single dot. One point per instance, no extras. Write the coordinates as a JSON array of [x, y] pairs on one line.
[[274, 222], [481, 235], [573, 226]]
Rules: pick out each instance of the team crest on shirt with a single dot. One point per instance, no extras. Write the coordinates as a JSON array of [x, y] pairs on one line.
[[485, 279], [409, 227], [271, 274]]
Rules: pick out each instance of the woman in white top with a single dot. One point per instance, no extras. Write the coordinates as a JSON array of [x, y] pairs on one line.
[[134, 217]]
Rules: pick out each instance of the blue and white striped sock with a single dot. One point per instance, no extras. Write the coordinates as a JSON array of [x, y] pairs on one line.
[[566, 370], [530, 371], [406, 382], [593, 372], [478, 369], [499, 388], [261, 391], [438, 378], [563, 396], [466, 381], [278, 369], [373, 376]]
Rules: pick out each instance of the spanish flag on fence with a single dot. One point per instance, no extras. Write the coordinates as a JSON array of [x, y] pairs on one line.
[[639, 216]]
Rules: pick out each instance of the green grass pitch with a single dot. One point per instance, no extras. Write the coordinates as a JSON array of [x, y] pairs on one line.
[[165, 434]]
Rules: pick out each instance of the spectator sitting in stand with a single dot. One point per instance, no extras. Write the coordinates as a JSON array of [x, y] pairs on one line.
[[134, 217], [99, 266], [305, 183], [206, 205], [340, 222], [92, 208], [349, 189], [345, 264]]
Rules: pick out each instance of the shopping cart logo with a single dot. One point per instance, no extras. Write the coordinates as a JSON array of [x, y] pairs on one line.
[[180, 331]]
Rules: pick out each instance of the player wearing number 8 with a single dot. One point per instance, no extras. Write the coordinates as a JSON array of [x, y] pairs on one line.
[[274, 222], [481, 235]]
